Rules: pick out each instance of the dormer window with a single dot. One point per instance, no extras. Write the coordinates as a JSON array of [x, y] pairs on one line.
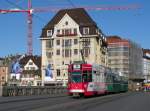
[[85, 31], [49, 33], [66, 22], [30, 63]]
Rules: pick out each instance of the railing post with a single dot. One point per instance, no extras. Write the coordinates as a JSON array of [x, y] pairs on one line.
[[1, 90]]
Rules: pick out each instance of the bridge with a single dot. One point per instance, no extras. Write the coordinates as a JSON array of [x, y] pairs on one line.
[[32, 90], [130, 101]]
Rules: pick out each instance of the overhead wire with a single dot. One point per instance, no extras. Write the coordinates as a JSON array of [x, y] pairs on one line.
[[34, 15], [71, 3], [13, 4]]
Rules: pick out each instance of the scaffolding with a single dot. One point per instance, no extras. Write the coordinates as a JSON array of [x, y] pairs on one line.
[[125, 57]]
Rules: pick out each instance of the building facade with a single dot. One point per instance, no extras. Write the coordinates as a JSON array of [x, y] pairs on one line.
[[70, 36], [30, 71], [25, 70], [3, 75], [146, 64], [1, 61], [124, 57], [3, 72]]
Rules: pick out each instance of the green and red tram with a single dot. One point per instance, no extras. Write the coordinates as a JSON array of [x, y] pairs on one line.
[[93, 79]]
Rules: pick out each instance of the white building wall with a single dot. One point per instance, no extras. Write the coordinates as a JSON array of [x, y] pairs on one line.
[[60, 62]]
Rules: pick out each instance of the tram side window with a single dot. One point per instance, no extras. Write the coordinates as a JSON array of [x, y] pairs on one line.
[[87, 76], [84, 78], [69, 77]]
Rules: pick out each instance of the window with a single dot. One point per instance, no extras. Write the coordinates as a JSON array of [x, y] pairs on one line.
[[58, 42], [63, 52], [30, 63], [49, 54], [86, 31], [75, 51], [87, 76], [58, 32], [66, 22], [63, 32], [68, 42], [86, 52], [32, 68], [58, 52], [75, 41], [67, 31], [75, 31], [49, 43], [58, 72], [27, 68], [3, 78], [86, 43], [76, 78], [67, 52], [49, 33]]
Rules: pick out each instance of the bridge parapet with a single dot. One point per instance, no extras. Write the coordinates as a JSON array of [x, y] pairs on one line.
[[33, 90]]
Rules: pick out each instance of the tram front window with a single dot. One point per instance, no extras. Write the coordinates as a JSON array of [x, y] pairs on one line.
[[76, 77]]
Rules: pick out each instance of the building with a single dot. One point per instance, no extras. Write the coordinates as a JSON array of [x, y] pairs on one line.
[[3, 72], [118, 55], [146, 64], [1, 61], [3, 75], [30, 71], [125, 57], [24, 70], [70, 32]]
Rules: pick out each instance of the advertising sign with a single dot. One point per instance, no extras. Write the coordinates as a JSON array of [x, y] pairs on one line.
[[48, 73]]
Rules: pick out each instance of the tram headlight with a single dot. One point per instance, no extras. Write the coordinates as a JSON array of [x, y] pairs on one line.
[[85, 86]]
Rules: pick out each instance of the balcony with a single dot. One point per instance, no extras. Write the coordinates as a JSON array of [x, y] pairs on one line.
[[62, 35]]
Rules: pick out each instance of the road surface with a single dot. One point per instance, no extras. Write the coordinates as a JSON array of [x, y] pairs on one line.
[[131, 101]]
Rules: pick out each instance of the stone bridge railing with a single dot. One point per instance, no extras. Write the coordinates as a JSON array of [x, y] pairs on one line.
[[32, 90]]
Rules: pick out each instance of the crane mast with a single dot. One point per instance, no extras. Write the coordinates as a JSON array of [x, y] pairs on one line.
[[29, 12]]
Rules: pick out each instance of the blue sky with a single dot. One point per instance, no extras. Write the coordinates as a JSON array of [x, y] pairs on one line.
[[129, 24]]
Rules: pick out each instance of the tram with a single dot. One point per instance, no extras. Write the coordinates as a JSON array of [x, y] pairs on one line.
[[93, 79]]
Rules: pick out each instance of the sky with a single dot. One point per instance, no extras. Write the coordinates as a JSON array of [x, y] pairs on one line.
[[133, 24]]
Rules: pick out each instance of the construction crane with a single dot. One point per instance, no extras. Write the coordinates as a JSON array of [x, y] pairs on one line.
[[30, 11]]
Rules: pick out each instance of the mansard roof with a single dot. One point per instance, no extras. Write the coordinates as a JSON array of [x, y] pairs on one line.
[[79, 15]]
